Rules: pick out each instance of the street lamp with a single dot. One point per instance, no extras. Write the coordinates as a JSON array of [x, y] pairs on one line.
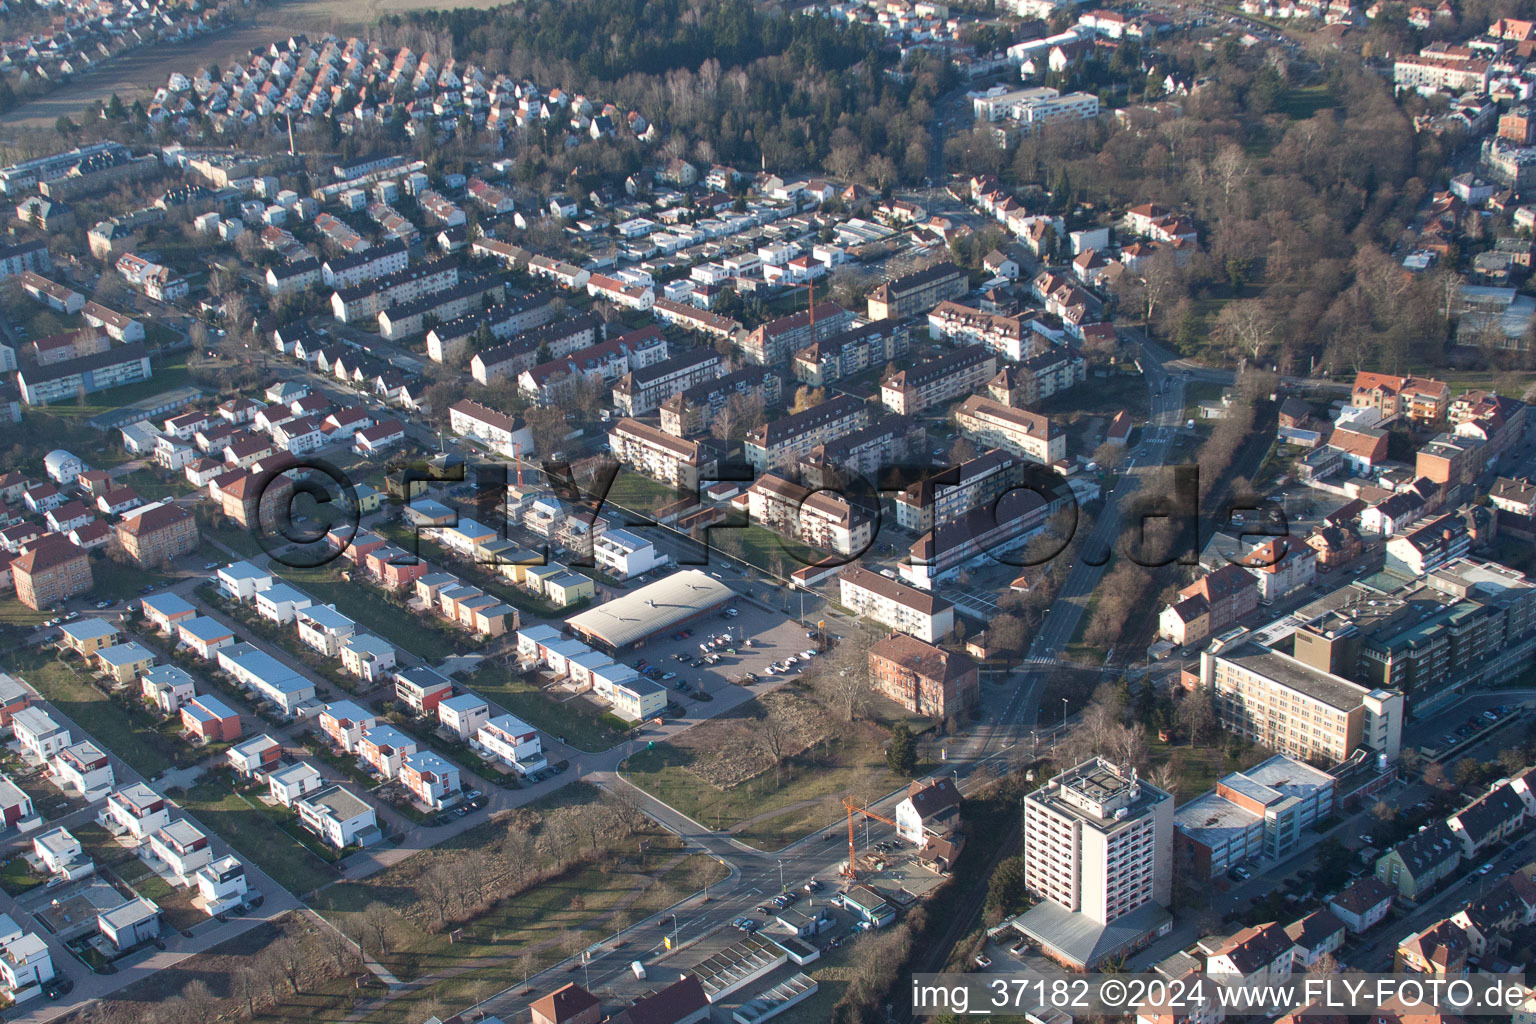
[[781, 874], [1063, 714]]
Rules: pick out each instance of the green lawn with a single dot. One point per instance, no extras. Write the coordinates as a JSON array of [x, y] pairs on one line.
[[268, 836], [14, 613], [433, 639], [576, 721], [153, 486], [129, 732], [637, 492], [16, 878], [166, 378], [215, 527], [113, 581], [764, 549]]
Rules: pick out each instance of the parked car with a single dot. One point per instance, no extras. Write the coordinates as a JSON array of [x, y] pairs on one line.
[[983, 961]]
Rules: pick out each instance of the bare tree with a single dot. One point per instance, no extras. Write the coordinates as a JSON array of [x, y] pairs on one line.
[[378, 922], [773, 735], [200, 1004], [437, 888]]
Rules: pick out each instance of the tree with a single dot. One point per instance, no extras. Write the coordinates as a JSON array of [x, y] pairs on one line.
[[547, 425], [1196, 716], [901, 753], [199, 1002], [378, 922], [807, 397], [773, 735], [1007, 890]]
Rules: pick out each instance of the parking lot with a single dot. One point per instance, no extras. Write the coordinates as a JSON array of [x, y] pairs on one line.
[[698, 657]]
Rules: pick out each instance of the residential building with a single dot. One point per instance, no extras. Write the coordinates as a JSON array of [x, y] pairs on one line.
[[1440, 950], [431, 779], [503, 434], [691, 412], [421, 689], [87, 636], [132, 924], [1210, 605], [929, 815], [85, 375], [937, 381], [816, 518], [1098, 852], [1488, 821], [1026, 434], [155, 535], [139, 810], [868, 346], [1253, 958], [513, 741], [918, 292], [83, 768], [167, 687], [1415, 866], [659, 455], [255, 757], [338, 817], [49, 571], [623, 554], [952, 492], [345, 722], [983, 534], [383, 748], [643, 390], [323, 629], [1362, 904], [896, 605], [291, 783], [777, 446], [181, 846], [924, 679], [1422, 400], [210, 718], [62, 854], [221, 886], [463, 715], [38, 734], [776, 342]]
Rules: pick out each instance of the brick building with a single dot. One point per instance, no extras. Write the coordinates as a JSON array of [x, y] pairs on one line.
[[49, 571], [924, 679], [158, 534]]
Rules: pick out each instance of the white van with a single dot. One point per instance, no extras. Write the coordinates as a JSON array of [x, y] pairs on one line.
[[638, 968]]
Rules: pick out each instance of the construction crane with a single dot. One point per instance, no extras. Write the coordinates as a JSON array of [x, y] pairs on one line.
[[851, 873]]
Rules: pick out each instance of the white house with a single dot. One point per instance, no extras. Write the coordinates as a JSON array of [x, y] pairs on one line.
[[25, 966], [431, 779], [221, 885], [292, 782], [623, 554], [61, 854], [513, 741], [324, 629], [181, 846], [338, 817], [167, 687], [281, 603], [368, 657], [463, 715], [138, 809], [243, 581], [83, 768], [38, 734]]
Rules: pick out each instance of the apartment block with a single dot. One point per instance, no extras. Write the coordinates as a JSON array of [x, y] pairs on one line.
[[775, 447], [643, 390], [1011, 337], [916, 293], [691, 412], [937, 381], [522, 352], [660, 455], [1257, 814], [774, 343], [853, 351], [1098, 852], [896, 605], [154, 535], [49, 571], [951, 493], [817, 518], [1027, 434]]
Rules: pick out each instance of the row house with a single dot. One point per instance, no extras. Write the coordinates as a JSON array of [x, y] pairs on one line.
[[410, 317], [364, 302], [620, 293], [774, 343], [357, 268]]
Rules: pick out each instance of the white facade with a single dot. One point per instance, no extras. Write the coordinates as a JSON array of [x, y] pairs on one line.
[[512, 740]]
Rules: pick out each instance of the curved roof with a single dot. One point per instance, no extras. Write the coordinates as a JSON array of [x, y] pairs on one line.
[[651, 609]]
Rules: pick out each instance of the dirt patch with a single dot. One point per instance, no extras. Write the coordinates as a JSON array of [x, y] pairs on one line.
[[729, 752]]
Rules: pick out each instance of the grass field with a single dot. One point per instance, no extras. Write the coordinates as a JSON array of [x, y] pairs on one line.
[[132, 734], [770, 811], [432, 639], [268, 836], [16, 878], [764, 549], [166, 378], [575, 721]]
